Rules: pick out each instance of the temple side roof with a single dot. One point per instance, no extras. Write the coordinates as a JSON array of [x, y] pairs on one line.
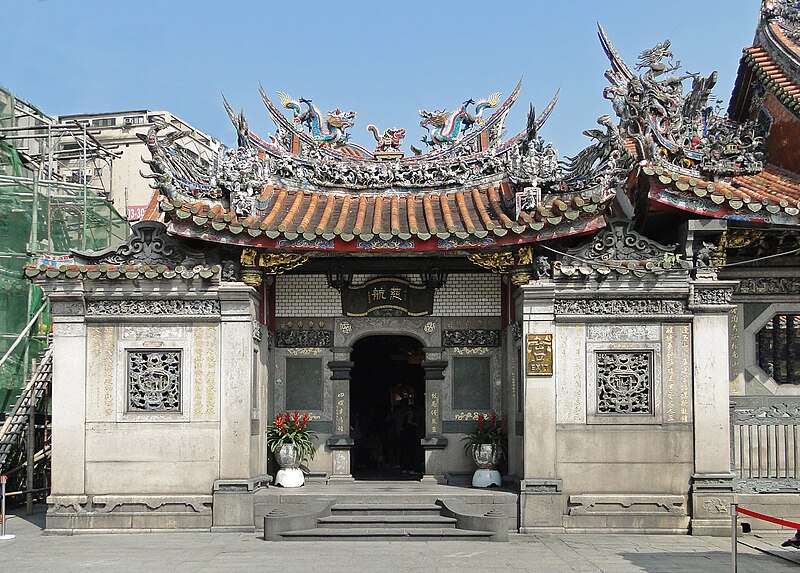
[[770, 196]]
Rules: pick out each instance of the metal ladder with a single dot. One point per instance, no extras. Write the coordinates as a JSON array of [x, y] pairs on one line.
[[15, 426]]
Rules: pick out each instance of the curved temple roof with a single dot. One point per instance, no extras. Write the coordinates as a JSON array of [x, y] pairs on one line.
[[307, 187]]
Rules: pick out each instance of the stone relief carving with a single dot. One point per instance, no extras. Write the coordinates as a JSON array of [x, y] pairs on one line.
[[471, 351], [624, 382], [154, 381], [767, 485], [619, 306], [68, 308], [304, 351], [716, 505], [256, 330], [716, 296], [471, 337], [769, 415], [303, 338], [617, 333], [166, 332], [69, 329], [620, 249], [149, 244], [153, 307], [767, 285]]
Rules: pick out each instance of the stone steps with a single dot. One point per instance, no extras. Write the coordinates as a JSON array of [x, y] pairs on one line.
[[386, 534], [386, 521], [386, 509]]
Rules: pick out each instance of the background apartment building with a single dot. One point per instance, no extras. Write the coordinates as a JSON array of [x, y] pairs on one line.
[[117, 131]]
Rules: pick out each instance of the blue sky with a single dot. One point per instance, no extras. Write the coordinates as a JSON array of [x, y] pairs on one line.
[[385, 60]]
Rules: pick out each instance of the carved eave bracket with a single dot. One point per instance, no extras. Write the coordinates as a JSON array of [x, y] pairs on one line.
[[522, 265], [256, 265]]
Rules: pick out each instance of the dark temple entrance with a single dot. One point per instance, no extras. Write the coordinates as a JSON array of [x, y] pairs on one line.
[[387, 408]]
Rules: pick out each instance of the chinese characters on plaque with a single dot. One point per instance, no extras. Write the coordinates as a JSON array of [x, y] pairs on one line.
[[539, 353], [387, 296]]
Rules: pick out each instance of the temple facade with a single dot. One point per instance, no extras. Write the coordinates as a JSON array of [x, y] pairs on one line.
[[633, 311]]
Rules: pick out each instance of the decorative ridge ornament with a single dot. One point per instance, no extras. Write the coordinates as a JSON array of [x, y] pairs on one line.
[[445, 128], [786, 13], [622, 250], [148, 244], [669, 126], [328, 132]]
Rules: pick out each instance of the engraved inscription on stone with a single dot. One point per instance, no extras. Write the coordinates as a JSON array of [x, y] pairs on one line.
[[624, 382], [154, 380]]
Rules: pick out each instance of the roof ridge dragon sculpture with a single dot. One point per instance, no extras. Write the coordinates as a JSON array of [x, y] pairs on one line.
[[329, 131], [445, 128], [666, 125]]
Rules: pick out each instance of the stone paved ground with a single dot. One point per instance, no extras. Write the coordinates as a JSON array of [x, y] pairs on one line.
[[231, 552]]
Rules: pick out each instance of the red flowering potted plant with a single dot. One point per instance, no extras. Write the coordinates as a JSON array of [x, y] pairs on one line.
[[291, 442], [487, 446]]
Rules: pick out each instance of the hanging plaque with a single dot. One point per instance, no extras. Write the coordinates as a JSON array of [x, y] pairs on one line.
[[539, 350], [387, 297]]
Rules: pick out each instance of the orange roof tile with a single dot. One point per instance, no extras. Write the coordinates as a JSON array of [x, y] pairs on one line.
[[461, 214], [774, 78], [773, 195]]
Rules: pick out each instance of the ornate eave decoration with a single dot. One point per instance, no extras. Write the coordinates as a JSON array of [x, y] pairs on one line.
[[522, 266], [255, 265], [786, 13], [669, 127], [620, 250], [149, 253]]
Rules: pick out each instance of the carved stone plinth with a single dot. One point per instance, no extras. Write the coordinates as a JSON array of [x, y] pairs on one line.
[[541, 506], [125, 512], [642, 513], [712, 495], [434, 464]]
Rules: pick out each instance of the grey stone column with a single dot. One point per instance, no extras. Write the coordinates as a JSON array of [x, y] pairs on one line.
[[712, 482], [69, 393], [340, 443], [540, 488], [434, 442], [238, 307]]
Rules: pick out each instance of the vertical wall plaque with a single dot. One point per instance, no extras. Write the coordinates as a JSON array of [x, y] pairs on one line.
[[539, 350]]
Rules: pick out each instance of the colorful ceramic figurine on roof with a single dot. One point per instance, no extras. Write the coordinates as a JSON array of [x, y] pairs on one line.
[[446, 128], [331, 132]]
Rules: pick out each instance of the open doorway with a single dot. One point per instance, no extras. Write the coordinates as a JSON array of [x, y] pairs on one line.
[[387, 408]]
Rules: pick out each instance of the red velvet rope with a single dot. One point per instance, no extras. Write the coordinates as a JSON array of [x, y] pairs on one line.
[[775, 520]]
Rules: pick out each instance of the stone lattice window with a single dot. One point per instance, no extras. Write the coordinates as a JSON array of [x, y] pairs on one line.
[[154, 380], [779, 348], [624, 383]]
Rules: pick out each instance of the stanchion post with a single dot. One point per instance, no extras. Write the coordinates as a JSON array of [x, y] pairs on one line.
[[734, 532], [3, 536]]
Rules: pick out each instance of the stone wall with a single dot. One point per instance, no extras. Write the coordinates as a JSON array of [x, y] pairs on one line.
[[153, 401]]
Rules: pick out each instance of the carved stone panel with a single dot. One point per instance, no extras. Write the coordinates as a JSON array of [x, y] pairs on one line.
[[617, 306], [624, 383], [153, 307], [154, 381]]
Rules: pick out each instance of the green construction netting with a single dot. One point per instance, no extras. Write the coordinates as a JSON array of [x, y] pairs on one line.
[[40, 221]]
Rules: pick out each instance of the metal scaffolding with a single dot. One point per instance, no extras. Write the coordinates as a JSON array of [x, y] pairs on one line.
[[49, 204]]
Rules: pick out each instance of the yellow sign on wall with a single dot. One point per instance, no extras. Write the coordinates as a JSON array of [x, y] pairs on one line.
[[539, 351]]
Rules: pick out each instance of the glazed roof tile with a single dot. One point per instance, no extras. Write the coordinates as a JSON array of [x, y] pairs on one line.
[[773, 77], [459, 213], [771, 196]]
